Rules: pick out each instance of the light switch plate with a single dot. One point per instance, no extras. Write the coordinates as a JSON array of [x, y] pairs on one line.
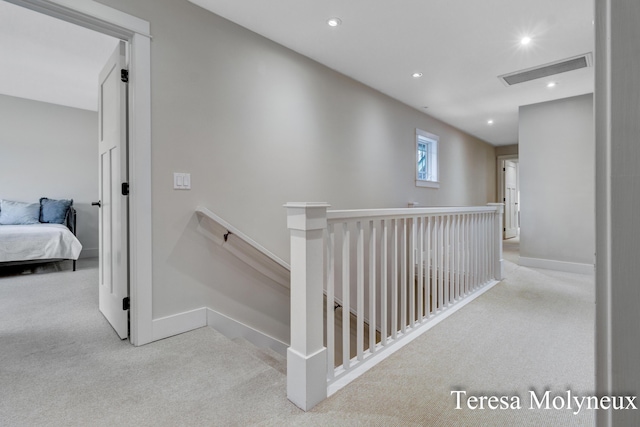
[[181, 181]]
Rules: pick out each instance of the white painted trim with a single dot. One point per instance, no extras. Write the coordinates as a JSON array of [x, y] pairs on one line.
[[179, 323], [411, 334], [550, 264], [140, 218], [233, 329], [436, 139], [427, 184], [104, 19], [90, 14]]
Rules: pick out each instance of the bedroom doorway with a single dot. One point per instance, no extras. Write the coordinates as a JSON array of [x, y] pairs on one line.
[[137, 243]]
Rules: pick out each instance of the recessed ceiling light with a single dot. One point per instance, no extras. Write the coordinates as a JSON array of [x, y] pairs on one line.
[[417, 75], [490, 122], [334, 22], [525, 40], [551, 84]]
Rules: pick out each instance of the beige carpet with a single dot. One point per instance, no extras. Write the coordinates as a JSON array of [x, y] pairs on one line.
[[60, 364]]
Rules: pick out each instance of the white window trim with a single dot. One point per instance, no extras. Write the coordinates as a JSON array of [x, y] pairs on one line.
[[436, 138]]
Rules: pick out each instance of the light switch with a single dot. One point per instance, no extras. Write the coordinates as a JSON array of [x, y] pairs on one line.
[[181, 181]]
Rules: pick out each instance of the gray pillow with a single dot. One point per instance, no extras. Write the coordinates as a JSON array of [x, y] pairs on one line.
[[19, 213], [54, 211]]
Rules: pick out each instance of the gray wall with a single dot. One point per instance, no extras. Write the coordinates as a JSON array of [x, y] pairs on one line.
[[258, 125], [51, 151], [556, 152]]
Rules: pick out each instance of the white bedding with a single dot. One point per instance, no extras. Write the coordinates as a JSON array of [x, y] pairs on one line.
[[37, 241]]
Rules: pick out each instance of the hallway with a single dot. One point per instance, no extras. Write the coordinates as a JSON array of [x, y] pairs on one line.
[[532, 331]]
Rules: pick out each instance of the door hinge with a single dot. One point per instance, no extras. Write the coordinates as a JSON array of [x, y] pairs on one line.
[[504, 229], [125, 188], [125, 303], [124, 75], [504, 169], [504, 199]]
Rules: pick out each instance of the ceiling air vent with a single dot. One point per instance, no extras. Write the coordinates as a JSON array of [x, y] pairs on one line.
[[582, 61]]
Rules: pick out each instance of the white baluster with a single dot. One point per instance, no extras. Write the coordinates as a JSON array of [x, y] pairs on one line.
[[482, 252], [372, 287], [412, 273], [331, 312], [497, 241], [403, 278], [346, 292], [420, 297], [476, 250], [383, 279], [485, 249], [463, 267], [360, 291], [487, 244], [456, 257], [441, 250], [472, 251], [394, 280], [428, 272], [436, 266]]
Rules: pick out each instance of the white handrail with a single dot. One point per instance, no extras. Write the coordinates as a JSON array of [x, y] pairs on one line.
[[243, 247], [337, 215]]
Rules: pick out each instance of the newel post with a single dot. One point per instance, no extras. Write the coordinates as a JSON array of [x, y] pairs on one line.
[[497, 221], [307, 356]]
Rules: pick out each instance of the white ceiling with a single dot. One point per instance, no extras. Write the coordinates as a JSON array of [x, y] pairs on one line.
[[49, 60], [460, 46]]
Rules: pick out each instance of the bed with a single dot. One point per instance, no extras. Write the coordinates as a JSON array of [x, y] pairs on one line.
[[48, 238]]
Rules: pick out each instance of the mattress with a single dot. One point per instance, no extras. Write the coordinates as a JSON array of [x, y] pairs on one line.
[[37, 242]]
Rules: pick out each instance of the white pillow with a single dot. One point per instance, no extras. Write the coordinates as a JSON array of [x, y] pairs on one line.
[[19, 213]]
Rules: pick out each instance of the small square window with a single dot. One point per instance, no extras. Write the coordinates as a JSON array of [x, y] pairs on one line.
[[426, 159]]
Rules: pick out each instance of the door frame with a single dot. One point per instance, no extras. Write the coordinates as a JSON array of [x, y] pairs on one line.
[[500, 180], [135, 31]]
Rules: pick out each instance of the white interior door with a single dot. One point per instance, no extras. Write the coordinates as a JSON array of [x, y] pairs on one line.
[[113, 262], [510, 199]]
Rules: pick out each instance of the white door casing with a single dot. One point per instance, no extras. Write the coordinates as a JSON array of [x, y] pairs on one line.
[[136, 32], [113, 232], [510, 199]]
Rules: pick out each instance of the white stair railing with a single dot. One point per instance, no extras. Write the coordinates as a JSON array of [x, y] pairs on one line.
[[399, 270]]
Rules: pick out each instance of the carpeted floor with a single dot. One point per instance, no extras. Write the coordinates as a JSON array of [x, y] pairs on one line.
[[62, 365]]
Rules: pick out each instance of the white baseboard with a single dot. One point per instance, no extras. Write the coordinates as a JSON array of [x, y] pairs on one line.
[[89, 253], [200, 317], [549, 264], [233, 329], [179, 323]]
